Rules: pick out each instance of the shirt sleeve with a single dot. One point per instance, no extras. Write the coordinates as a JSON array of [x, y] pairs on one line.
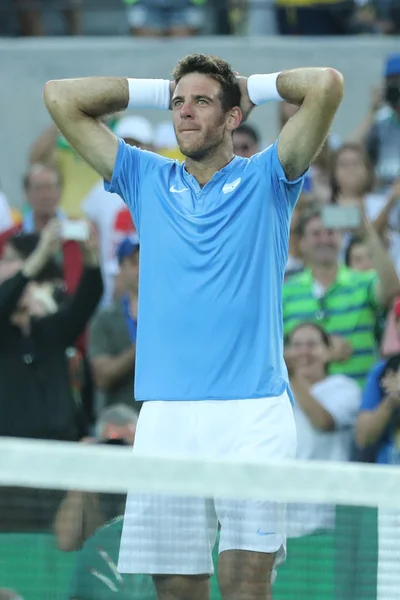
[[344, 403], [372, 395], [284, 188], [132, 167]]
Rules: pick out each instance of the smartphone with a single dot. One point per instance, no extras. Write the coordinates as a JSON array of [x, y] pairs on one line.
[[341, 217], [77, 231]]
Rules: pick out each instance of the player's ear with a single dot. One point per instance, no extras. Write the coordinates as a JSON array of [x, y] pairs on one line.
[[235, 118]]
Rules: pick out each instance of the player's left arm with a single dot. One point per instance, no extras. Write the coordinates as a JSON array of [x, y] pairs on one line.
[[318, 92]]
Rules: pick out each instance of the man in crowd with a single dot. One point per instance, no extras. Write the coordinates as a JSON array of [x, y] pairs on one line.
[[246, 140], [81, 513], [78, 177], [380, 129], [108, 212], [112, 338], [343, 301], [43, 187], [36, 398]]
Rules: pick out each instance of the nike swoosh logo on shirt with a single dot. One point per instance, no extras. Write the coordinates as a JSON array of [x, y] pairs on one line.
[[229, 187], [175, 191]]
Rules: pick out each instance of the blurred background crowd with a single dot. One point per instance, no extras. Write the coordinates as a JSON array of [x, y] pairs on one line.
[[198, 17], [68, 303]]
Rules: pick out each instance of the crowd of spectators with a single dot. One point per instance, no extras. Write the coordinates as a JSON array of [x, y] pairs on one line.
[[177, 18], [68, 307]]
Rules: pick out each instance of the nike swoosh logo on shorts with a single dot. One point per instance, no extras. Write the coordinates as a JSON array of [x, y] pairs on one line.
[[175, 191], [259, 532]]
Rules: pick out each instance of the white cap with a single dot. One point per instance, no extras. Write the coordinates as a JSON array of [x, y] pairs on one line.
[[165, 135], [135, 128]]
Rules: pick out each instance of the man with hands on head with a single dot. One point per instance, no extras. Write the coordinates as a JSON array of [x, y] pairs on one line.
[[207, 302]]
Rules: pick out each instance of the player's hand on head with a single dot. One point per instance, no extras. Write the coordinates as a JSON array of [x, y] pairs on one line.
[[246, 105], [50, 238]]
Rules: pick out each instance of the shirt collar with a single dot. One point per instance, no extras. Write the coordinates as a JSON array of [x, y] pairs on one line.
[[344, 276], [217, 175]]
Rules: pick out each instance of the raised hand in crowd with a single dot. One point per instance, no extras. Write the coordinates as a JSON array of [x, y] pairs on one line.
[[391, 386], [49, 244], [90, 248], [340, 349]]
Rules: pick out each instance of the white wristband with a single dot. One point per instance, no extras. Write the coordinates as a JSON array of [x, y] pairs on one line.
[[149, 93], [262, 88]]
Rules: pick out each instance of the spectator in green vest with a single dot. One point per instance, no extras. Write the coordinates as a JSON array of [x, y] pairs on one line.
[[343, 301]]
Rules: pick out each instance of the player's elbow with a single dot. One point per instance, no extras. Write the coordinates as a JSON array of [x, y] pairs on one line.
[[55, 95], [331, 84], [52, 91]]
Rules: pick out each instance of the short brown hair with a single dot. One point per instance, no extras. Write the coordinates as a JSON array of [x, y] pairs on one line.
[[216, 68], [308, 215]]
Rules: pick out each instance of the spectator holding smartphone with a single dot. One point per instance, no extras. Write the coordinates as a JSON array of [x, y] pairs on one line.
[[36, 399], [43, 187]]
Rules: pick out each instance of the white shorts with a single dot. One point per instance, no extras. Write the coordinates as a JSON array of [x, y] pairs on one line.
[[175, 535]]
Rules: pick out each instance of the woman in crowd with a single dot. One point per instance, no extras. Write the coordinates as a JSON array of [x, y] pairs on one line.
[[358, 255], [325, 411]]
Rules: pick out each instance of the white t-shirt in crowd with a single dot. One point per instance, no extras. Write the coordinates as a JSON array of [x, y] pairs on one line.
[[6, 221], [341, 397], [113, 222]]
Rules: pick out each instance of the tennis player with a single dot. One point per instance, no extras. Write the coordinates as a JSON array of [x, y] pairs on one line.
[[214, 243]]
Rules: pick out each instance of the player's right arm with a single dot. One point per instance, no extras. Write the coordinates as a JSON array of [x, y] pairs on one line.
[[77, 107]]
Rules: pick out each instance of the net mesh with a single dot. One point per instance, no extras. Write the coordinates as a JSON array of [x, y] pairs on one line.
[[62, 510]]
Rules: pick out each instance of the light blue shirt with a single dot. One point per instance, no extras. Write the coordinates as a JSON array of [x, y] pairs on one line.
[[212, 263]]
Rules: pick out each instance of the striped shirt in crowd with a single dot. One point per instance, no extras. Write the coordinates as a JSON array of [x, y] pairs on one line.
[[347, 309]]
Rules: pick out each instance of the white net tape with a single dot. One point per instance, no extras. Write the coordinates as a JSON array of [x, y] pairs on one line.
[[59, 465]]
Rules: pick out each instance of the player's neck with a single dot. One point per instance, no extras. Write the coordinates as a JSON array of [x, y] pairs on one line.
[[324, 274], [204, 169]]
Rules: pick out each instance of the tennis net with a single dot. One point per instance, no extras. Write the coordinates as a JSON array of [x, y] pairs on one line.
[[62, 512]]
